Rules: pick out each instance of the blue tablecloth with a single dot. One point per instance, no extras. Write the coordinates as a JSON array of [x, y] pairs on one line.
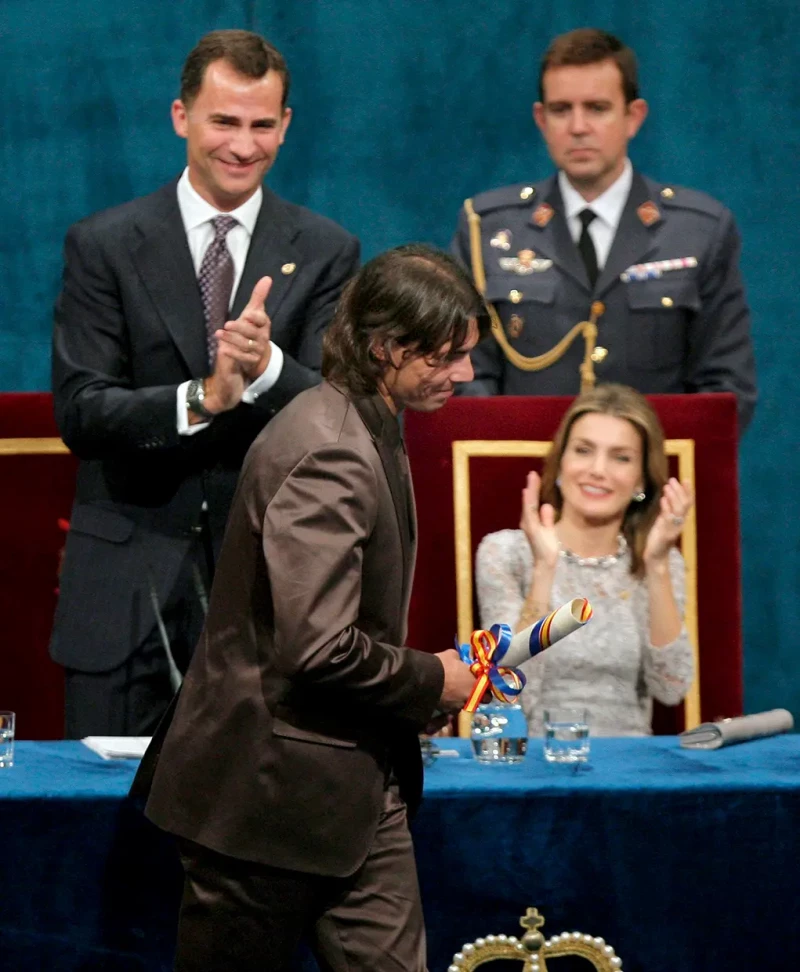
[[88, 883], [684, 861]]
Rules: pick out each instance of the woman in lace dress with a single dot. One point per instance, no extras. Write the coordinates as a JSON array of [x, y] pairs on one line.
[[603, 524]]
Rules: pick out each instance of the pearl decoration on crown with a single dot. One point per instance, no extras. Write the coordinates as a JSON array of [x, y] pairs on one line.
[[533, 949]]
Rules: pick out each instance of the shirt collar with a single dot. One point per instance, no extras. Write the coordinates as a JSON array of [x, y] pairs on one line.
[[195, 210], [608, 205]]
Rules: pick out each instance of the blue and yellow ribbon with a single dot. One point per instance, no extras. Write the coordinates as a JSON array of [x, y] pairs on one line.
[[541, 638], [483, 654]]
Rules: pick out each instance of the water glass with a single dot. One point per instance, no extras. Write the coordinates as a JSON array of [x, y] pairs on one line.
[[499, 733], [566, 735], [6, 739]]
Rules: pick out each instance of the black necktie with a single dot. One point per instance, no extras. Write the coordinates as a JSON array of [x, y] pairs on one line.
[[586, 246]]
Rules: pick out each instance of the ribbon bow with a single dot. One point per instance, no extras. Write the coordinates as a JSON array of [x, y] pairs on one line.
[[483, 653]]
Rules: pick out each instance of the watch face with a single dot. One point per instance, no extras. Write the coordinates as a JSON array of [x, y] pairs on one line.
[[195, 397]]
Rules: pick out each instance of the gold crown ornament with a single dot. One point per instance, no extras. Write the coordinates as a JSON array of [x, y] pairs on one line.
[[533, 950]]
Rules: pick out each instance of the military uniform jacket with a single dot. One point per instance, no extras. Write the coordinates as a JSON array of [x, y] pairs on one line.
[[685, 331]]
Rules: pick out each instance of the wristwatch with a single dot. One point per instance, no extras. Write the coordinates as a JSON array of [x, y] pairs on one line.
[[195, 395]]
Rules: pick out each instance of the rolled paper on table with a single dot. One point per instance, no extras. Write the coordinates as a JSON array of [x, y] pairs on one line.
[[487, 649]]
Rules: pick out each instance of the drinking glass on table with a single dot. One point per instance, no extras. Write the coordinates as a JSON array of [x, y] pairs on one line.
[[6, 739], [499, 733], [566, 735]]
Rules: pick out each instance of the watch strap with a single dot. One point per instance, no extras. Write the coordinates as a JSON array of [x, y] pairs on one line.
[[195, 394]]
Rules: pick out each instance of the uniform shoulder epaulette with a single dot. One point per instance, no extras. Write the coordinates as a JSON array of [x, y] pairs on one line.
[[521, 194], [678, 197]]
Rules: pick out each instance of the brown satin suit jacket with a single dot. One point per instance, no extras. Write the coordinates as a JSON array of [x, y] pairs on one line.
[[299, 702]]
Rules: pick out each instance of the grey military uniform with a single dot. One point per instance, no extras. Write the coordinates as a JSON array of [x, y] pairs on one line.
[[686, 331]]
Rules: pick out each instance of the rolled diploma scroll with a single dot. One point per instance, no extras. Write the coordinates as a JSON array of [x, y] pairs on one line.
[[547, 631]]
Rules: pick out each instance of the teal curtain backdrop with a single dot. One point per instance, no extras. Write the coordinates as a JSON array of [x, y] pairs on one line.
[[402, 109]]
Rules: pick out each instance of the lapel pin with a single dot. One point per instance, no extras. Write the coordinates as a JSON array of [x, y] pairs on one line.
[[648, 213], [524, 262], [543, 214], [288, 268], [501, 240], [515, 325]]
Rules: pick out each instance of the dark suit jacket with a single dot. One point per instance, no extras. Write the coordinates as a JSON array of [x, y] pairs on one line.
[[687, 331], [129, 329], [298, 702]]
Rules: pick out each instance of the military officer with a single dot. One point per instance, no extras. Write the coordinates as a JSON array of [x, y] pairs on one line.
[[654, 265]]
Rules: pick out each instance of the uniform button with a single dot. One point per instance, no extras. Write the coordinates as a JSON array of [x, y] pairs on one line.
[[666, 302], [668, 193], [527, 192], [288, 268], [515, 296], [599, 355]]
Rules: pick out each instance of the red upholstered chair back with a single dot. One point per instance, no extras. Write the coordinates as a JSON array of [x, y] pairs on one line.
[[37, 483], [494, 488]]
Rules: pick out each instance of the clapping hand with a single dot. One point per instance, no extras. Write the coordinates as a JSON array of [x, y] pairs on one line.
[[247, 339], [539, 523], [676, 501], [243, 351]]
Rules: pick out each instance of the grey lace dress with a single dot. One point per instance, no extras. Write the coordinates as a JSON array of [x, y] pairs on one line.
[[609, 666]]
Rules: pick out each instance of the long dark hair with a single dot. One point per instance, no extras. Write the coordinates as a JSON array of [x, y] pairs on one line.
[[413, 297], [625, 403]]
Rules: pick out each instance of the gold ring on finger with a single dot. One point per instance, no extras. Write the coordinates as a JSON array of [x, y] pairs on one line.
[[250, 344]]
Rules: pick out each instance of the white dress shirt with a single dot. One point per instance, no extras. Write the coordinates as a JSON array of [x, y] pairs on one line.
[[197, 214], [607, 207]]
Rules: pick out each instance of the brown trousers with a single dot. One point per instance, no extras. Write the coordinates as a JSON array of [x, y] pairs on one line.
[[238, 916]]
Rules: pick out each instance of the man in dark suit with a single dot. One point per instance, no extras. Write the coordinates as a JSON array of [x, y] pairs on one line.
[[661, 261], [167, 363], [292, 759]]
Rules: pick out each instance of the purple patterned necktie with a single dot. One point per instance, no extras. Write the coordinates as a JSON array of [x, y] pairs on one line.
[[216, 281]]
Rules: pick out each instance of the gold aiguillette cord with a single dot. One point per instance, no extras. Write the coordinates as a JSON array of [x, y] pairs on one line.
[[587, 328]]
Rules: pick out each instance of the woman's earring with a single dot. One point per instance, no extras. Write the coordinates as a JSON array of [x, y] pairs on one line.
[[558, 482], [639, 497]]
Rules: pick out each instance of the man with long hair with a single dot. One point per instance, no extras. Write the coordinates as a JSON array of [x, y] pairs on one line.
[[292, 761]]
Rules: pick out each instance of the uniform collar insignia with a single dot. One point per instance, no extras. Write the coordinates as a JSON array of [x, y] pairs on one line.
[[542, 215], [648, 213]]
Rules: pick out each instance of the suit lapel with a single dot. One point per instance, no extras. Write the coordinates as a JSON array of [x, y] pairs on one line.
[[412, 518], [271, 250], [165, 267], [554, 240], [385, 431], [633, 241]]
